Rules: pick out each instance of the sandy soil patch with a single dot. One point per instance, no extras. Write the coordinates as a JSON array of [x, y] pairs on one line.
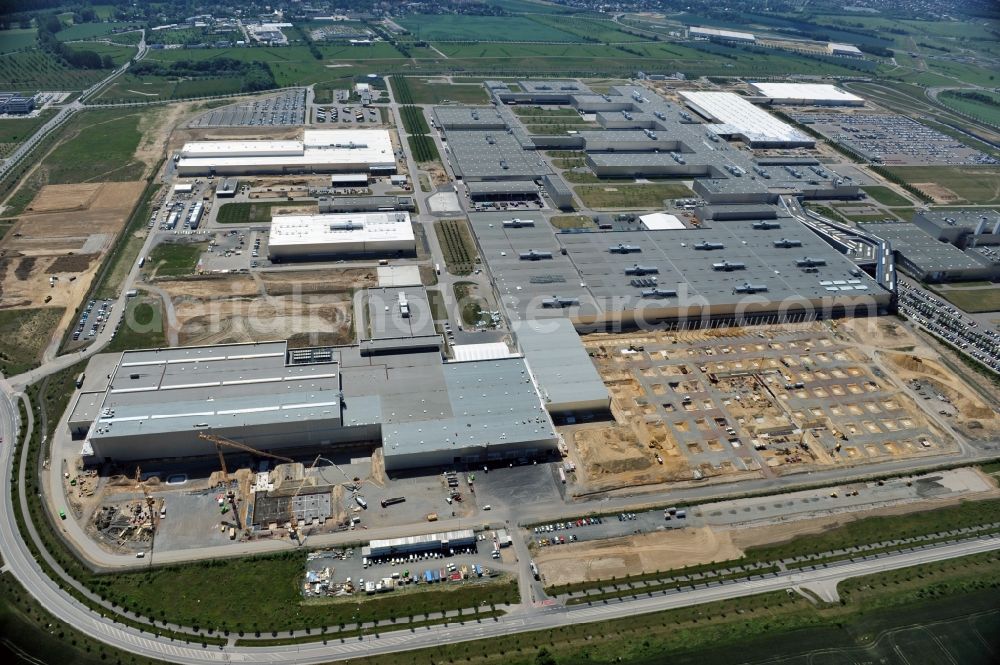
[[631, 555], [61, 198], [284, 282], [939, 193]]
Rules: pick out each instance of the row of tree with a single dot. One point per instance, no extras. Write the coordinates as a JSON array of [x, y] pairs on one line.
[[75, 58], [254, 75]]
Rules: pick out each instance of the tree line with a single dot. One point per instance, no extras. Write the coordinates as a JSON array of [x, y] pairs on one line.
[[255, 75]]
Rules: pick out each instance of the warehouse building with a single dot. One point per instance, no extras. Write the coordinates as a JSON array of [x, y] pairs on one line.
[[14, 103], [732, 116], [431, 542], [805, 94], [422, 411], [715, 34], [923, 257], [493, 155], [737, 270], [319, 151], [366, 203], [962, 228], [299, 237]]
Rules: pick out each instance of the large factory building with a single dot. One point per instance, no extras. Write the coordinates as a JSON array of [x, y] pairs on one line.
[[319, 151], [298, 237]]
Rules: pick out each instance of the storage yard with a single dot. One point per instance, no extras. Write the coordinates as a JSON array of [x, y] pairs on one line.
[[725, 404]]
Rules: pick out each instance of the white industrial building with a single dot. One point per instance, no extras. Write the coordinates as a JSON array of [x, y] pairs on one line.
[[731, 115], [319, 151], [806, 94], [721, 35], [847, 50], [348, 234], [660, 221]]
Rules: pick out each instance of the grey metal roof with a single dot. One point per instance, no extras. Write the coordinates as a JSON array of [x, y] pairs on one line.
[[922, 249], [559, 362], [962, 219], [480, 117], [502, 187], [385, 317], [493, 154]]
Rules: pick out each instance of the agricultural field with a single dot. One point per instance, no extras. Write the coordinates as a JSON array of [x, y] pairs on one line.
[[16, 39], [37, 70], [416, 90], [87, 31], [954, 184], [631, 197], [104, 152], [589, 29], [119, 54], [467, 28], [457, 245]]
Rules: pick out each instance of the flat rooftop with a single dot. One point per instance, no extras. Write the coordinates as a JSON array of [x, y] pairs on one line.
[[173, 389], [807, 92], [317, 147], [560, 364], [493, 154], [340, 228], [397, 312], [922, 249], [735, 116], [596, 278]]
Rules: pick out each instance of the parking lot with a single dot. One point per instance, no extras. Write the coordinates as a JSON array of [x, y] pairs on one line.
[[950, 323], [892, 139], [287, 108], [93, 319], [347, 114]]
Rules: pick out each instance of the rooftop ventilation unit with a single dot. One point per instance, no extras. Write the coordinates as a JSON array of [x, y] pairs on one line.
[[517, 223], [404, 307], [729, 266], [624, 249], [762, 173], [678, 158], [490, 139], [639, 270], [555, 302], [504, 165], [810, 262], [659, 293], [747, 287], [708, 246], [535, 255], [686, 116], [660, 114], [786, 243], [643, 282], [712, 136], [650, 133], [735, 170], [766, 226]]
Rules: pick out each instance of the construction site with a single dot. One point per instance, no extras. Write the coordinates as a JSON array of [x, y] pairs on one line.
[[723, 405]]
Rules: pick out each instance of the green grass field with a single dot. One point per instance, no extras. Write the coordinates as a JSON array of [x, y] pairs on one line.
[[456, 242], [423, 91], [15, 39], [102, 149], [971, 184], [13, 131], [413, 120], [450, 27], [989, 113], [24, 334], [886, 196], [630, 196], [973, 301], [189, 594], [423, 148], [252, 213], [85, 31], [36, 70], [170, 259], [470, 306], [572, 222], [142, 327]]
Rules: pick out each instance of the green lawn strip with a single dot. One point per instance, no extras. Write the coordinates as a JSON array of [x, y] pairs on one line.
[[886, 196], [423, 148], [174, 259], [751, 629], [973, 184], [254, 212], [102, 149], [630, 196], [457, 245], [973, 301], [659, 587], [413, 120], [469, 304], [572, 222], [342, 635], [142, 326], [436, 300], [14, 131]]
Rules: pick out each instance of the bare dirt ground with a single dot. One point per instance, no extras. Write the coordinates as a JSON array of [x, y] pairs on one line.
[[975, 418], [309, 308], [939, 193], [618, 557], [48, 243]]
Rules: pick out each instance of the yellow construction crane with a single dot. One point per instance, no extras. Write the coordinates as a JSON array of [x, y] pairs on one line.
[[292, 525], [221, 441]]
